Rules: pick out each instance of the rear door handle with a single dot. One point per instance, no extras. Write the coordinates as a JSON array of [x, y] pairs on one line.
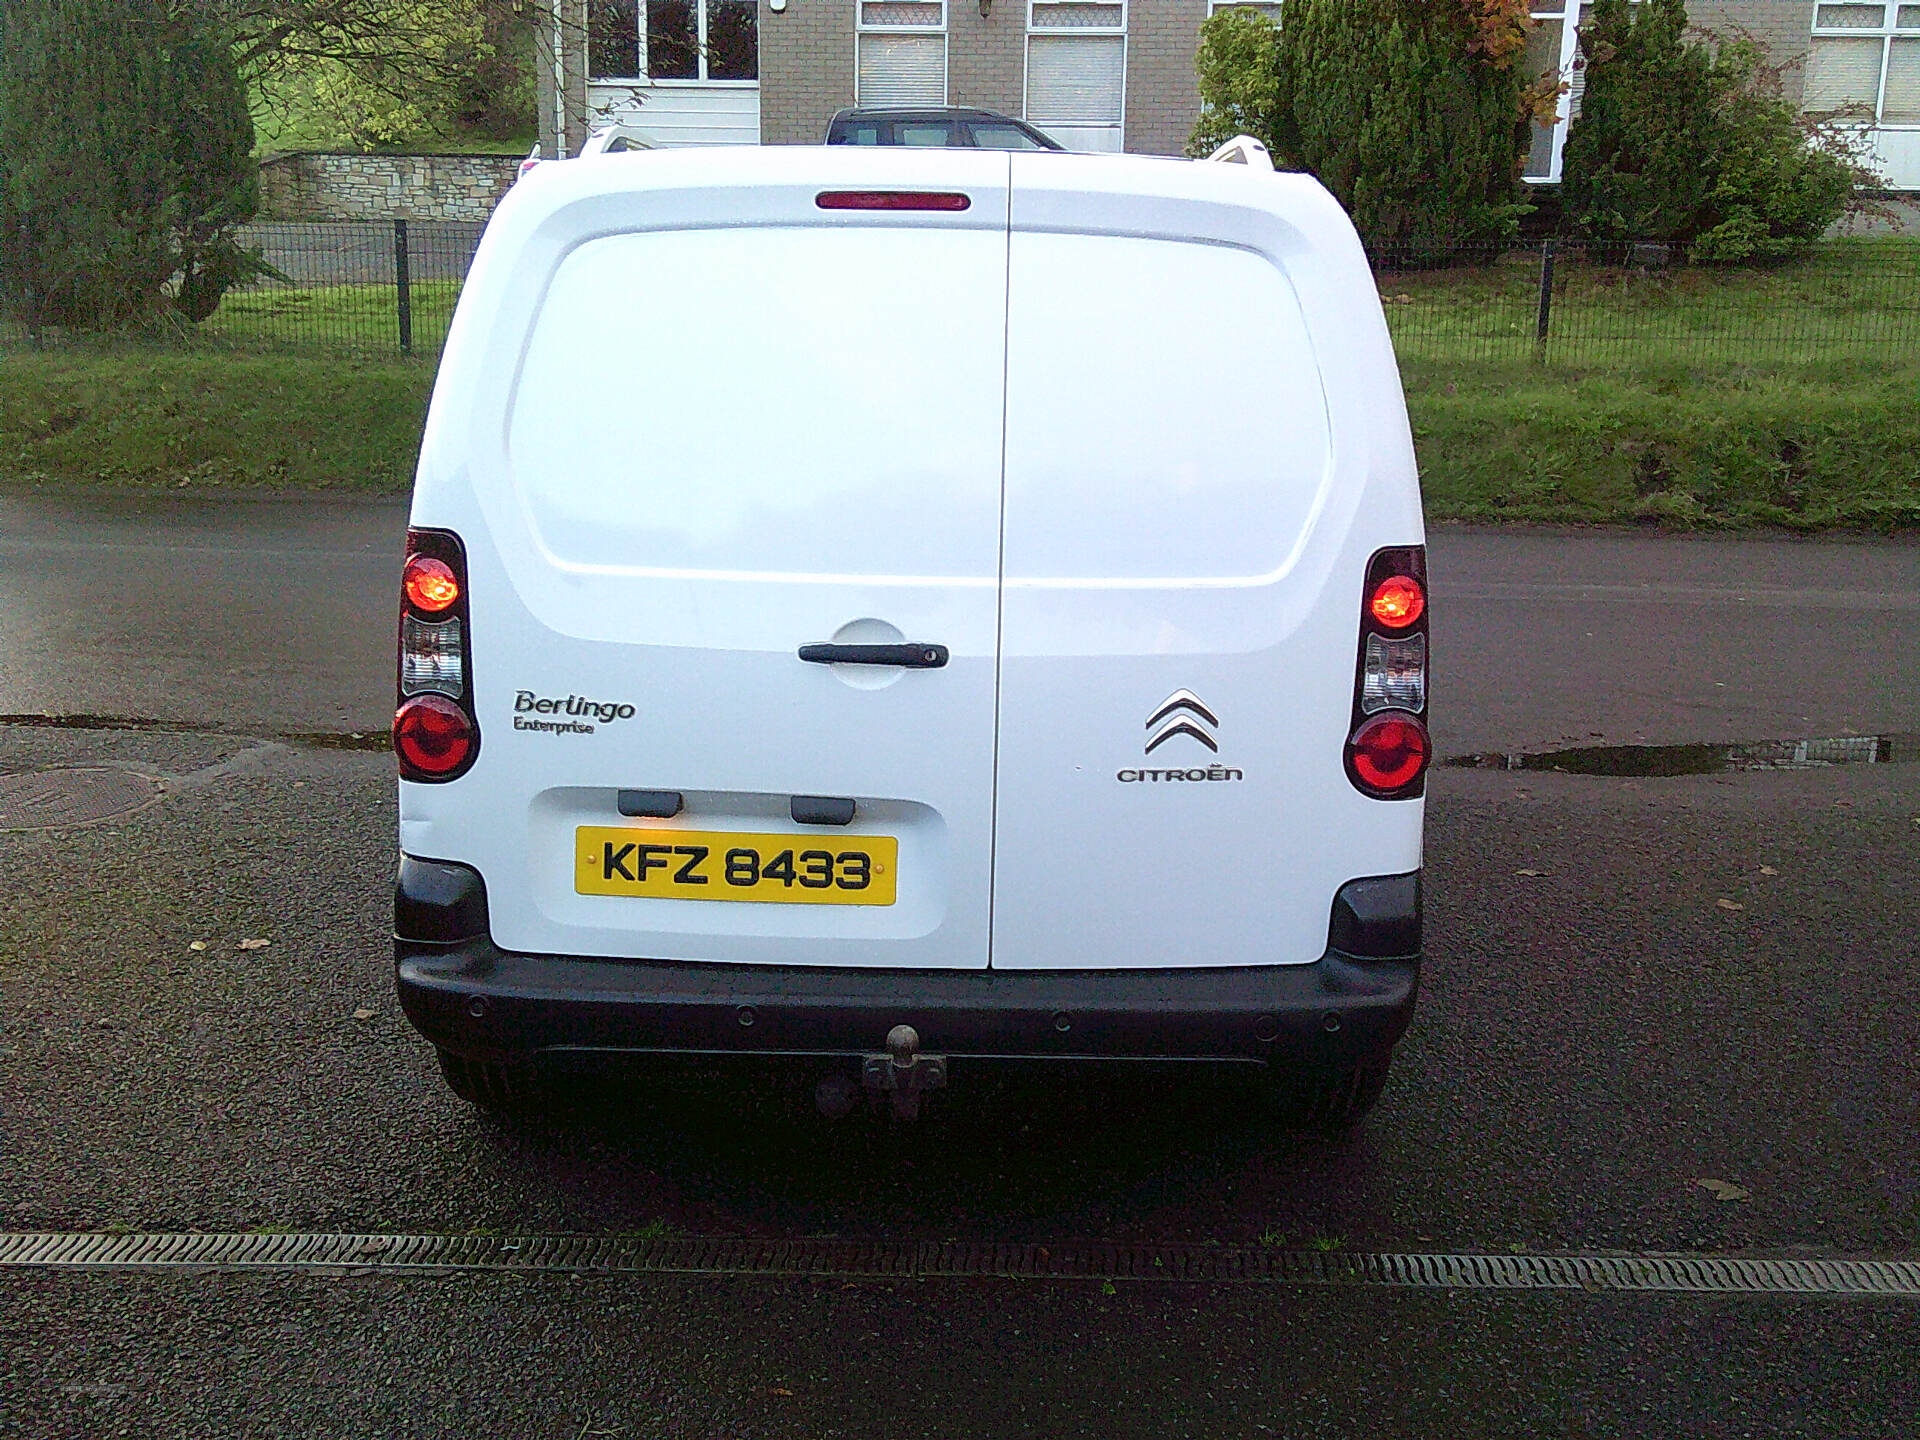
[[912, 657]]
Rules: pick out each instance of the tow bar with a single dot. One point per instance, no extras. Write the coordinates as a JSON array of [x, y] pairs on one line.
[[903, 1073]]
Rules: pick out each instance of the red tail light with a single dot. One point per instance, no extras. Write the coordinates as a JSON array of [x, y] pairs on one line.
[[435, 731], [1397, 601], [1388, 748], [433, 738], [430, 584], [1389, 752]]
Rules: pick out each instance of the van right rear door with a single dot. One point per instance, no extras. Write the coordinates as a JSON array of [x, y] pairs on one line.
[[1185, 538]]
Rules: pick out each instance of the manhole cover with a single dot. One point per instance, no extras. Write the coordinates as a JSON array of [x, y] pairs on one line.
[[58, 799]]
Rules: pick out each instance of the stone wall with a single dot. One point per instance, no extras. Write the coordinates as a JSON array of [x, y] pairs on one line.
[[384, 187]]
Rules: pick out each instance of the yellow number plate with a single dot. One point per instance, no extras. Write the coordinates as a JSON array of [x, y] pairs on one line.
[[722, 865]]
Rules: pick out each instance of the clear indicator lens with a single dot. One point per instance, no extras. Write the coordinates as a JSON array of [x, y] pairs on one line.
[[432, 658], [1397, 601], [1396, 675], [430, 584]]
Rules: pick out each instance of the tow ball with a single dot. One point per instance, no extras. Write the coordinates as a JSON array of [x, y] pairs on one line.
[[903, 1073]]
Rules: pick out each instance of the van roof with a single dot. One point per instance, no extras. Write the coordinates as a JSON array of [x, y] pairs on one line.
[[1299, 196]]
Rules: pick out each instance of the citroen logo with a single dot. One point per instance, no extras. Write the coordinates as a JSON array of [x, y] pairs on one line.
[[1183, 713]]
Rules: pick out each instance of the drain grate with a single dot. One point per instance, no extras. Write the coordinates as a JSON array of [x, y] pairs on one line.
[[879, 1259], [61, 799]]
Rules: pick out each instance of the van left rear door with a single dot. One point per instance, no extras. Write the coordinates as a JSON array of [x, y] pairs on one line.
[[746, 423]]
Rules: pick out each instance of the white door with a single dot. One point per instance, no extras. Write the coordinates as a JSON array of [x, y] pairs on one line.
[[729, 441], [1180, 615]]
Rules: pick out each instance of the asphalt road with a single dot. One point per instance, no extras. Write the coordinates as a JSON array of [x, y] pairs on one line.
[[277, 617], [1598, 1031]]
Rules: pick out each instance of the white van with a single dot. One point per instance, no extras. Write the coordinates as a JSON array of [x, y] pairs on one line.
[[911, 608]]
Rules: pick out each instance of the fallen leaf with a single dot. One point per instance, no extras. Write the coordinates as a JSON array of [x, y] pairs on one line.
[[363, 1013], [1768, 870], [255, 944], [197, 945], [780, 1390], [1723, 1189], [1533, 874], [1729, 904]]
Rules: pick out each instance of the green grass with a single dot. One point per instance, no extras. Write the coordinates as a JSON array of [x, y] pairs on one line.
[[152, 418], [1848, 301], [356, 317], [1837, 448], [1784, 396]]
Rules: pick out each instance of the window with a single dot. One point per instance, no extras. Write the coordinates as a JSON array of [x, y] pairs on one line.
[[1003, 137], [933, 134], [1865, 63], [1268, 8], [1077, 70], [673, 40], [902, 48], [1553, 47]]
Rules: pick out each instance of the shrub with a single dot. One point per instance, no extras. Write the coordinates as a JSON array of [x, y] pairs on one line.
[[1409, 111], [1679, 142], [125, 162]]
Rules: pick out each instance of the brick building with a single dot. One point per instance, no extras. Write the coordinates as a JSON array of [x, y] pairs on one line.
[[1095, 74]]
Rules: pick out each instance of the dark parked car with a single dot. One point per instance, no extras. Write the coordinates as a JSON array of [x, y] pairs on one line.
[[948, 128]]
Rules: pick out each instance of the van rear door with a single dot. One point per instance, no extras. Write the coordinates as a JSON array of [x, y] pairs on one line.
[[744, 423], [1185, 537]]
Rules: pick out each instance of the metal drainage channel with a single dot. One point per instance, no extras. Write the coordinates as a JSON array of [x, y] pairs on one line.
[[62, 799], [844, 1259]]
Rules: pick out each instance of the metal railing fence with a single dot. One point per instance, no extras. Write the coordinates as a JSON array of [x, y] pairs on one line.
[[1565, 303], [390, 286]]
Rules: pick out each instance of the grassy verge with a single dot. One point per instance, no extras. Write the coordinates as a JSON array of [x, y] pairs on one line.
[[135, 418], [1816, 449], [1809, 452]]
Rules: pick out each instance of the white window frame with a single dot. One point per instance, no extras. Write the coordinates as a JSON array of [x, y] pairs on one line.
[[1026, 55], [1886, 32], [1259, 7], [1569, 17], [700, 40], [860, 27]]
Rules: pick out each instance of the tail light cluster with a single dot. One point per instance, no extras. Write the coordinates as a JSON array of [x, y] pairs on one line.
[[1388, 748], [435, 733]]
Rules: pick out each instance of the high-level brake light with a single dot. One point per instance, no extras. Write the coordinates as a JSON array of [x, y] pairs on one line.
[[891, 200]]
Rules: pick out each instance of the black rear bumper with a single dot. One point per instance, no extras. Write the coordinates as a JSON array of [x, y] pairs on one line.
[[470, 997]]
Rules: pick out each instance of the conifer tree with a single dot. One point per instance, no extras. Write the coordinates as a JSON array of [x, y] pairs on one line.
[[124, 162], [1676, 142], [1410, 111]]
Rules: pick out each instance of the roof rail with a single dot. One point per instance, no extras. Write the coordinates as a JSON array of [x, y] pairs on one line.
[[1243, 150]]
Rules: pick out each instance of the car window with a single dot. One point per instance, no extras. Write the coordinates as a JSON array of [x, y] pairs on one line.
[[923, 132], [857, 135], [1003, 137]]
